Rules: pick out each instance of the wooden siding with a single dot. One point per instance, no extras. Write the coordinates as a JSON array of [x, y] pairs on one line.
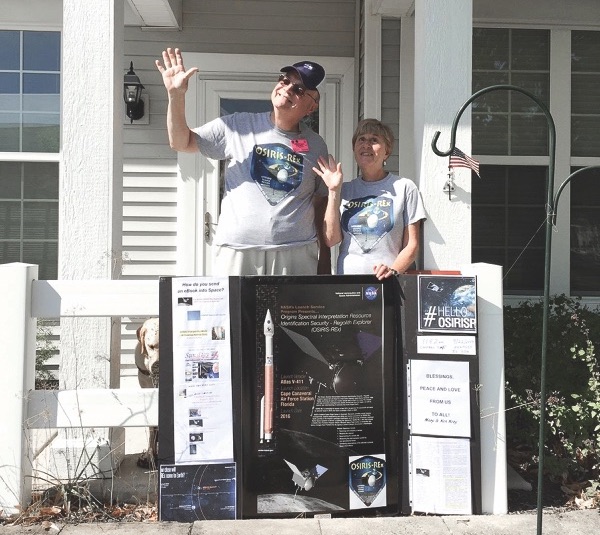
[[149, 220], [390, 82], [283, 27], [310, 27]]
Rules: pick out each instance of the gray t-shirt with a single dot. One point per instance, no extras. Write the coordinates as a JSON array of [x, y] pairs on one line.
[[374, 215], [269, 181]]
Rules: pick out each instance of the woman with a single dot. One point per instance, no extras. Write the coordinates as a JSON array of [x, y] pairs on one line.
[[381, 213]]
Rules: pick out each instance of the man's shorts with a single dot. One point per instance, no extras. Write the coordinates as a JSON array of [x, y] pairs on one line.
[[300, 260]]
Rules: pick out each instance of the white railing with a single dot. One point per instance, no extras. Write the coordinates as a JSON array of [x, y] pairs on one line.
[[23, 299]]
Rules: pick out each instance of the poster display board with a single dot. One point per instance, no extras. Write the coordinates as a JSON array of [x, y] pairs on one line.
[[197, 492], [442, 421], [302, 396], [202, 393], [318, 396], [301, 411], [196, 436]]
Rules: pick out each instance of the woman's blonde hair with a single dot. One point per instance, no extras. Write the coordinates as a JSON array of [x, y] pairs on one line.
[[373, 126]]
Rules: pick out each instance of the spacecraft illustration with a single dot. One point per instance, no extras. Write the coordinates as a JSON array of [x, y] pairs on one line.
[[283, 172], [306, 479], [371, 477], [342, 359]]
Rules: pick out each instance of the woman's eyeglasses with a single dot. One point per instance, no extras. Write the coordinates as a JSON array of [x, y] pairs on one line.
[[298, 89]]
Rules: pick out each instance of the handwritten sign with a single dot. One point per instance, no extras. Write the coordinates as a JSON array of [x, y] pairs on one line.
[[446, 345], [440, 398]]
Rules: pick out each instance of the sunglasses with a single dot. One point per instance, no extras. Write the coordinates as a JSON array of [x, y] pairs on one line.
[[297, 89]]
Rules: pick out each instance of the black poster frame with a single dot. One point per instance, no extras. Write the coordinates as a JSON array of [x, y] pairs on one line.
[[410, 321], [244, 324], [251, 321]]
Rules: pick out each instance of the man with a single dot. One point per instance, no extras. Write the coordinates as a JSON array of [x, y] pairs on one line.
[[272, 195]]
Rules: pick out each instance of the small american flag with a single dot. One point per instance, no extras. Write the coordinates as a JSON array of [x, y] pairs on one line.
[[459, 159]]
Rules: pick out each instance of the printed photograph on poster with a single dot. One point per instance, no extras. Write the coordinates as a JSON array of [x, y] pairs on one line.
[[447, 303], [439, 398], [446, 345], [317, 394], [188, 493], [202, 420], [367, 481], [441, 475]]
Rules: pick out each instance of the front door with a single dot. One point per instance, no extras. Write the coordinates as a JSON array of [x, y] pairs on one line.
[[229, 83]]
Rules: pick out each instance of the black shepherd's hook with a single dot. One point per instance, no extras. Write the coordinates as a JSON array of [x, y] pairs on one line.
[[564, 184], [475, 96], [550, 216]]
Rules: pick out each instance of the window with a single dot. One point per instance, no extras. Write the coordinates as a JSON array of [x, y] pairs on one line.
[[29, 130], [585, 233], [508, 122], [585, 187], [29, 91], [510, 135], [29, 215], [508, 220], [585, 93]]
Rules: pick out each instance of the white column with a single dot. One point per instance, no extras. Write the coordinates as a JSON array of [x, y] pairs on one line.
[[443, 36], [17, 361], [490, 321], [91, 175], [560, 63], [90, 205]]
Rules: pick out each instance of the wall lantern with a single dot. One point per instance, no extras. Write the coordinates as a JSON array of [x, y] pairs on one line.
[[132, 94]]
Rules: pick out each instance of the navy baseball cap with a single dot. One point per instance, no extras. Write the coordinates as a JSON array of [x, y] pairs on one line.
[[311, 73]]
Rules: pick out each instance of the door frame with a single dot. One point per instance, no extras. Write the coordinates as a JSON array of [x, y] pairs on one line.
[[246, 74]]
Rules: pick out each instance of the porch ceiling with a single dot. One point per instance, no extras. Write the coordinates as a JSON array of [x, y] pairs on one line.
[[167, 13], [396, 8], [153, 13]]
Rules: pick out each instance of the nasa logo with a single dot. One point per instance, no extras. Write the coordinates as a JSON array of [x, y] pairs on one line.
[[371, 293]]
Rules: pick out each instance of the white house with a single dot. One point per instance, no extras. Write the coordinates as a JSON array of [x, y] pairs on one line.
[[85, 193]]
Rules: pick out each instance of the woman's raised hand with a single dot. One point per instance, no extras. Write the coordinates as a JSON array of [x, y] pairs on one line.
[[330, 171]]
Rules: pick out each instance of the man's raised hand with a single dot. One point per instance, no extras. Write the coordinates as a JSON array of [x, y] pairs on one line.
[[174, 75]]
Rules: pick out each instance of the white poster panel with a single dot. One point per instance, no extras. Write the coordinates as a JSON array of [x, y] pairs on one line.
[[441, 475], [202, 417], [446, 345], [440, 398]]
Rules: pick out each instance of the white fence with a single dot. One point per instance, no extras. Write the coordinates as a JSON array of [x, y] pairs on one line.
[[23, 299]]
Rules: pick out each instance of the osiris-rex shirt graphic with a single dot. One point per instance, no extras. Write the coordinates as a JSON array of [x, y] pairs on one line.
[[368, 219], [277, 170]]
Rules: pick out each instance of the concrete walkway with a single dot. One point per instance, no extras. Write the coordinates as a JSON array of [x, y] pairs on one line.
[[571, 523], [132, 484]]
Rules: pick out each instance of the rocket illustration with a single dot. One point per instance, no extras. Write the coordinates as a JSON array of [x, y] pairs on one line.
[[267, 401]]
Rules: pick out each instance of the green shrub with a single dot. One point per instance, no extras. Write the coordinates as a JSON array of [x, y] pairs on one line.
[[572, 445]]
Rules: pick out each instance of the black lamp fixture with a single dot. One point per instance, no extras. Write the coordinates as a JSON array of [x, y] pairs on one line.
[[132, 94]]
